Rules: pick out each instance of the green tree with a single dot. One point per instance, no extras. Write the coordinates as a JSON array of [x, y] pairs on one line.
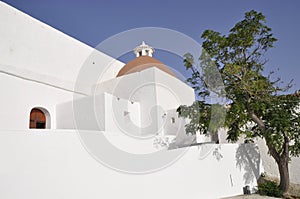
[[231, 66]]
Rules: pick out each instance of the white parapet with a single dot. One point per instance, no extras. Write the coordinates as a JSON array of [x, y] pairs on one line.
[[54, 164]]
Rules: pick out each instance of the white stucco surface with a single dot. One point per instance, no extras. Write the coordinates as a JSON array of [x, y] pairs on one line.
[[53, 164], [39, 67], [44, 68], [20, 96], [269, 164], [35, 50], [156, 92]]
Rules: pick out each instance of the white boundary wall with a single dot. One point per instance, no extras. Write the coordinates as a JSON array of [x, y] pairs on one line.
[[269, 164], [32, 49], [54, 164]]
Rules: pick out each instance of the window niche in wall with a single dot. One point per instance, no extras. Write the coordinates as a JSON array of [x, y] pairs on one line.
[[39, 119], [173, 120]]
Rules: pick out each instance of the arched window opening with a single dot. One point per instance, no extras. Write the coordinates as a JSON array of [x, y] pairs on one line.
[[39, 119]]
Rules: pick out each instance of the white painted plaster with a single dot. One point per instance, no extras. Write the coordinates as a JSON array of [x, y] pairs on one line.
[[54, 164]]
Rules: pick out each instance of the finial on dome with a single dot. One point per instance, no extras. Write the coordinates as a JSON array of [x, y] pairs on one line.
[[143, 50]]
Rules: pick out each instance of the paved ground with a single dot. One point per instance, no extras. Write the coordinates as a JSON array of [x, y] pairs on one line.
[[253, 196]]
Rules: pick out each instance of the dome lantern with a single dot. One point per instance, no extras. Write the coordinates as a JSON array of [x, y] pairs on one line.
[[143, 50]]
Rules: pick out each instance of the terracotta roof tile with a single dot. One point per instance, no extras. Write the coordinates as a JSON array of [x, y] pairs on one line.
[[141, 63]]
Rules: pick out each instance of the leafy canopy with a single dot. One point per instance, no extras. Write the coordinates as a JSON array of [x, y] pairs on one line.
[[231, 66]]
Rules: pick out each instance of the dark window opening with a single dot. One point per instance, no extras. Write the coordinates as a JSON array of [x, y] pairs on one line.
[[40, 125], [37, 119], [173, 120]]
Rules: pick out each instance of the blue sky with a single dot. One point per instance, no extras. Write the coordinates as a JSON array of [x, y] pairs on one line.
[[92, 21]]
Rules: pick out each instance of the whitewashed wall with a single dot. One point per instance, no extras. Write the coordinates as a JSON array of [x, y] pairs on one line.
[[173, 123], [172, 92], [268, 161], [155, 91], [19, 96], [39, 67], [121, 115], [33, 49], [102, 112], [270, 165], [54, 164]]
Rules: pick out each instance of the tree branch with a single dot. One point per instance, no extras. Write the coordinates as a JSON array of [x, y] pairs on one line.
[[253, 116], [273, 152], [285, 146], [258, 121]]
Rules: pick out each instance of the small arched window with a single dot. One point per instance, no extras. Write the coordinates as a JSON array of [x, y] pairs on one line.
[[39, 118]]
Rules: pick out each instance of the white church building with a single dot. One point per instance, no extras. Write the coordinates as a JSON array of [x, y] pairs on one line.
[[54, 120]]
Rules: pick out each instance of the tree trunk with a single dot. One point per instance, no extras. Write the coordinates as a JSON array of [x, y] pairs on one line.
[[215, 137], [283, 166]]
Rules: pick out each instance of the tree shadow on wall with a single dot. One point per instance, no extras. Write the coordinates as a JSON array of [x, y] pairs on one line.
[[217, 152], [248, 157]]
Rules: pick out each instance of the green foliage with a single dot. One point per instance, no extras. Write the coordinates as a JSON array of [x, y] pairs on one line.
[[269, 188], [203, 117], [231, 67], [282, 121]]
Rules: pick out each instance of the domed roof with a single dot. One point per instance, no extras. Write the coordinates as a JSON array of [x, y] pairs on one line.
[[141, 63]]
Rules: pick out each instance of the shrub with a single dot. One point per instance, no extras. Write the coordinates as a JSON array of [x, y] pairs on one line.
[[269, 188]]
